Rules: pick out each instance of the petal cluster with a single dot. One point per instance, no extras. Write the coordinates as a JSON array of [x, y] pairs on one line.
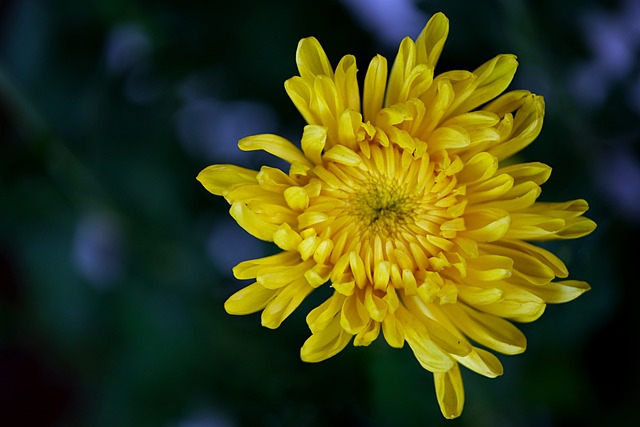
[[401, 201]]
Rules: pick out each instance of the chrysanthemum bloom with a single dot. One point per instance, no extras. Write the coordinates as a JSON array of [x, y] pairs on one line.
[[402, 204]]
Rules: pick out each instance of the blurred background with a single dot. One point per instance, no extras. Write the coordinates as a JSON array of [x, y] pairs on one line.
[[115, 262]]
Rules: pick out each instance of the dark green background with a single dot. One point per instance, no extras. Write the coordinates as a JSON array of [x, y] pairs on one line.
[[98, 158]]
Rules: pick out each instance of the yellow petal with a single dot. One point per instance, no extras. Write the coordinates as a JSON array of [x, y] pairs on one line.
[[401, 68], [439, 242], [310, 218], [358, 271], [490, 189], [342, 155], [508, 102], [544, 256], [529, 269], [486, 329], [251, 268], [482, 362], [252, 193], [344, 288], [429, 355], [473, 120], [277, 276], [493, 78], [518, 197], [481, 139], [321, 317], [252, 223], [296, 198], [576, 228], [381, 275], [318, 275], [312, 60], [431, 40], [368, 334], [218, 179], [527, 226], [308, 246], [274, 145], [273, 212], [486, 225], [328, 178], [393, 330], [436, 101], [403, 139], [388, 117], [449, 391], [375, 83], [249, 299], [409, 282], [349, 129], [444, 138], [323, 251], [534, 171], [326, 102], [527, 121], [537, 221], [284, 303], [313, 141], [447, 337], [487, 268], [416, 83], [474, 295], [274, 179], [353, 317], [560, 292], [326, 343], [569, 209], [298, 169], [531, 226], [347, 83], [375, 305], [286, 239], [468, 247], [480, 167], [392, 300], [517, 304], [299, 92]]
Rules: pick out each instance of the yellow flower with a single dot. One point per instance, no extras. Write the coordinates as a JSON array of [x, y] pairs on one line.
[[402, 203]]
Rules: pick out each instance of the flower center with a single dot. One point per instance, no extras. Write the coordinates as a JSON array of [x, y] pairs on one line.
[[390, 215], [383, 205]]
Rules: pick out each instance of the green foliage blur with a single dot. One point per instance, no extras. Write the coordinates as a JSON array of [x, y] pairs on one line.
[[115, 262]]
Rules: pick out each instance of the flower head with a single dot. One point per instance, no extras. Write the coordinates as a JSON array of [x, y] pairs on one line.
[[401, 202]]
